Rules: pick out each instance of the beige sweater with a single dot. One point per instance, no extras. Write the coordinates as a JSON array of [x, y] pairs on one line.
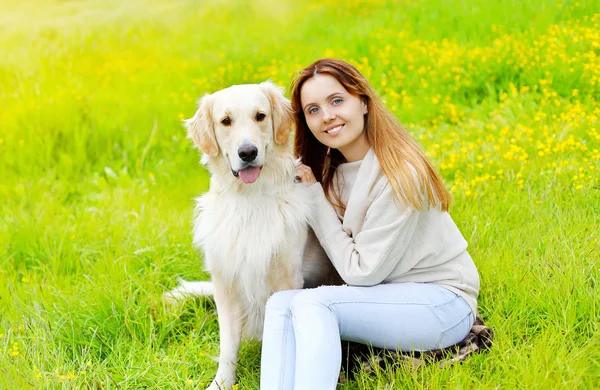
[[375, 241]]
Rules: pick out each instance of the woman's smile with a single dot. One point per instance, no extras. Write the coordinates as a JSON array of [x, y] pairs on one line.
[[335, 130]]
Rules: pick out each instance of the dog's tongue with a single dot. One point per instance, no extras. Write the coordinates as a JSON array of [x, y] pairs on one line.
[[249, 175]]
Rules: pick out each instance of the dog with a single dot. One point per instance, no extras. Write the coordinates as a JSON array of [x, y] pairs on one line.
[[252, 224]]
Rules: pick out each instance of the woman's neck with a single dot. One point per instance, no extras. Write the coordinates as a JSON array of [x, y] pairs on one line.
[[357, 150]]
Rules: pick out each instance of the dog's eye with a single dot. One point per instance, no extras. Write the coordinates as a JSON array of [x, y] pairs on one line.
[[226, 121], [260, 116]]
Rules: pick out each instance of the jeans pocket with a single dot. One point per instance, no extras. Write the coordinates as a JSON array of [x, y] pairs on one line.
[[457, 332]]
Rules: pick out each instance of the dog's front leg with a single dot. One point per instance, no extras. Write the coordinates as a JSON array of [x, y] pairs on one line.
[[230, 331]]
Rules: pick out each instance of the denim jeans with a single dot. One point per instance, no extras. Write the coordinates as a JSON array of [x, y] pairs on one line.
[[303, 328]]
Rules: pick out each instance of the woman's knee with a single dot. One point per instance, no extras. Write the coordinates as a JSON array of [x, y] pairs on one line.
[[281, 300], [320, 296]]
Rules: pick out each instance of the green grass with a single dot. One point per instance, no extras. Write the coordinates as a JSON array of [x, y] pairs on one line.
[[97, 179]]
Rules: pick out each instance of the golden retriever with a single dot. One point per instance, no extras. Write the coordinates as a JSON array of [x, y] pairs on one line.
[[252, 223]]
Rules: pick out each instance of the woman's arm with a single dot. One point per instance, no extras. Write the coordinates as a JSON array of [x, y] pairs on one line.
[[370, 256]]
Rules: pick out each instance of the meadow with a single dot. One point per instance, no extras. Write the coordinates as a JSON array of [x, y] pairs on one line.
[[97, 177]]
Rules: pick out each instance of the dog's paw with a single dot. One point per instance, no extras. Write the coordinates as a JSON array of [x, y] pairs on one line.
[[215, 386]]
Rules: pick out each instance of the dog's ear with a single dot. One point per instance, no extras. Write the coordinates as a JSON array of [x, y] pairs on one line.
[[201, 130], [282, 112]]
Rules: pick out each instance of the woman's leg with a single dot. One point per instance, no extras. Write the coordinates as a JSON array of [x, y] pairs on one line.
[[404, 316], [278, 357]]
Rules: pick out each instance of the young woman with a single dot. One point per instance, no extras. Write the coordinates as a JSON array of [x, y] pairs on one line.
[[382, 217]]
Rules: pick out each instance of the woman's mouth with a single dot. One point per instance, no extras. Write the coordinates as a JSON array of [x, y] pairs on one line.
[[335, 130]]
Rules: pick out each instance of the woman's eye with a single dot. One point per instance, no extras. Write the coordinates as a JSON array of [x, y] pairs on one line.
[[226, 121], [313, 110], [336, 101]]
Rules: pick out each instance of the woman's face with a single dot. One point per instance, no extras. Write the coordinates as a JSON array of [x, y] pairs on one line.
[[335, 117]]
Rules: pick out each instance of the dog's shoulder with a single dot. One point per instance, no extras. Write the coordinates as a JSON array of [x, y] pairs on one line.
[[298, 199]]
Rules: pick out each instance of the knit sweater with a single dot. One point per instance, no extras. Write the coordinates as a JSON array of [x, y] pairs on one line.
[[377, 241]]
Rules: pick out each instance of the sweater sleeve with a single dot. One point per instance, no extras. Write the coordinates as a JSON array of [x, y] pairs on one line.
[[369, 257]]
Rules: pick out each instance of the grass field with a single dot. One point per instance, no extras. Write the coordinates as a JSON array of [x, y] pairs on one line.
[[97, 178]]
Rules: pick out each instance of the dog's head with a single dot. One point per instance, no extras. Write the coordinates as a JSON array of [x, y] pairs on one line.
[[240, 124]]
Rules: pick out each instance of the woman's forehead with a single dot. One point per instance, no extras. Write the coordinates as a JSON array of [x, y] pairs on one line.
[[319, 87]]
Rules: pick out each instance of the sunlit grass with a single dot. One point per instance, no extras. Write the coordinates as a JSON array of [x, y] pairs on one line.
[[97, 178]]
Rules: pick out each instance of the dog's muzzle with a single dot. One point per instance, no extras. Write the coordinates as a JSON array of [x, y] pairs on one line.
[[248, 153], [250, 169]]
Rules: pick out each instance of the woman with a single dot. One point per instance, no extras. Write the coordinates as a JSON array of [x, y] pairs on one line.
[[381, 215]]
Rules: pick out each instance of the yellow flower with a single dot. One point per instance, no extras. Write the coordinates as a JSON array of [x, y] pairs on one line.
[[89, 364]]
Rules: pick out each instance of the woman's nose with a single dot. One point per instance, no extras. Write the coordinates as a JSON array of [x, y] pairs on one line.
[[328, 115]]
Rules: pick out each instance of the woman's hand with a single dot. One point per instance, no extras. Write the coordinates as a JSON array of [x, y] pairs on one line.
[[305, 175]]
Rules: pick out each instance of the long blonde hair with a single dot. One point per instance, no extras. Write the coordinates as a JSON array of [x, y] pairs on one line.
[[411, 175]]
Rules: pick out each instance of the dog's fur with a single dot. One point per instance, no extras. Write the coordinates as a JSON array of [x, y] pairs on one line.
[[252, 235]]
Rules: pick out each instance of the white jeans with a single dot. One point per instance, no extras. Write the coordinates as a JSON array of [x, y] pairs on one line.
[[303, 328]]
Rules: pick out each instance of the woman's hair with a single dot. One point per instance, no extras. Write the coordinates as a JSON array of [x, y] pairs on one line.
[[411, 175]]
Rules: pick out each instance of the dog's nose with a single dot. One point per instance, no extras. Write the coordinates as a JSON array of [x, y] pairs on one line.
[[248, 153]]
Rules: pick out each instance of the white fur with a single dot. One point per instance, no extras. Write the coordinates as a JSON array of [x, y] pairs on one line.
[[252, 235], [187, 289]]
